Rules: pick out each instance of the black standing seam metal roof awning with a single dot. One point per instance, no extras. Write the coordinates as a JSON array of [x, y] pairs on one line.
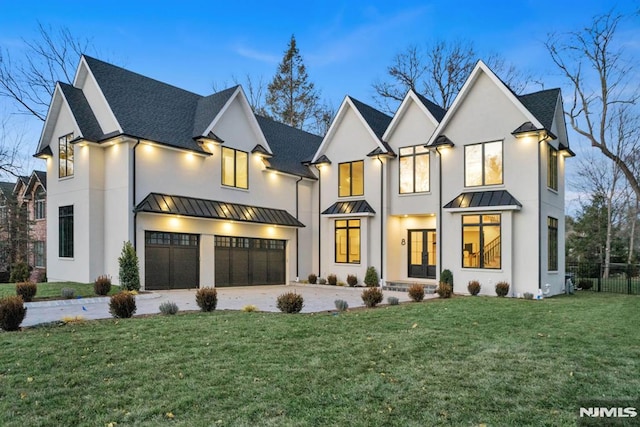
[[480, 199], [213, 209], [351, 207]]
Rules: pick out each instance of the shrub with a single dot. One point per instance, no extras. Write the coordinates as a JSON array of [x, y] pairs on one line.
[[290, 302], [129, 270], [474, 287], [207, 299], [444, 290], [352, 280], [371, 277], [68, 293], [332, 279], [502, 289], [168, 307], [372, 297], [312, 278], [393, 300], [19, 272], [322, 281], [416, 292], [122, 305], [447, 277], [249, 308], [102, 285], [585, 284], [27, 290], [528, 295], [12, 312], [341, 305]]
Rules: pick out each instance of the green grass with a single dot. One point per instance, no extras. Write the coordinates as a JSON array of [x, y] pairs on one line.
[[54, 290], [463, 361]]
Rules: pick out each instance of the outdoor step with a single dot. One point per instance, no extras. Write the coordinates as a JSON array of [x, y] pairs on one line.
[[429, 288]]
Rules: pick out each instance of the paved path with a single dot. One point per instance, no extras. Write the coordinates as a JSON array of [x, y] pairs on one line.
[[317, 298]]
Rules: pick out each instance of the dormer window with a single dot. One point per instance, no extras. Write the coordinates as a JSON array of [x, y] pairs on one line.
[[483, 164], [351, 179], [65, 156]]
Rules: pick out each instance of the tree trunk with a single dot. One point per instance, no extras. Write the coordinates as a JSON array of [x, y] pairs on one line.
[[632, 233]]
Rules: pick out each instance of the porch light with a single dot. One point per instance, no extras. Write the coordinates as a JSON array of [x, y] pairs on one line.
[[261, 151], [45, 153], [528, 129], [441, 142]]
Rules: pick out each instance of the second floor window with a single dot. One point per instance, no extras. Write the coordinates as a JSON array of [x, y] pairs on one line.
[[235, 168], [65, 156], [483, 164], [414, 169], [351, 179], [39, 207], [552, 168]]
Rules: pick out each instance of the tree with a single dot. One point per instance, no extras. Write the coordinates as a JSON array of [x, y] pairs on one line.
[[438, 71], [129, 270], [291, 98], [604, 89]]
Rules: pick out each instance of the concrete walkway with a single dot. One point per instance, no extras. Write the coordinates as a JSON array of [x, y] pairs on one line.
[[317, 298]]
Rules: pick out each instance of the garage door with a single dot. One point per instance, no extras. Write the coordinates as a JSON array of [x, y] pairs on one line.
[[242, 261], [172, 260]]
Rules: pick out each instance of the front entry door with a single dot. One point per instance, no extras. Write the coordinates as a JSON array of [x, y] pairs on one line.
[[422, 254]]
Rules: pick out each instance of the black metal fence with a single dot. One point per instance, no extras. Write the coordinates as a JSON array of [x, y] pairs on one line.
[[600, 277]]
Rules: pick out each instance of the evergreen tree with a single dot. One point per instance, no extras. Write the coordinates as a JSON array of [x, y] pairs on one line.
[[129, 269], [292, 99]]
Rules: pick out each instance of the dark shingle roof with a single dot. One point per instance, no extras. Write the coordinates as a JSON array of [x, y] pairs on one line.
[[377, 120], [290, 146], [42, 176], [82, 112], [208, 107], [542, 105], [351, 207], [6, 188], [437, 111], [213, 209], [476, 199]]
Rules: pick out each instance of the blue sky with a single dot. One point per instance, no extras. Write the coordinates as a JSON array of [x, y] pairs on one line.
[[346, 45]]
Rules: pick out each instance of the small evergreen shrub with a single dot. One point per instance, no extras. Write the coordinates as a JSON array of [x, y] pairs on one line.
[[372, 297], [249, 308], [585, 284], [444, 290], [341, 305], [322, 281], [416, 292], [102, 285], [68, 293], [312, 278], [12, 313], [371, 278], [129, 269], [207, 299], [502, 289], [474, 287], [393, 300], [19, 272], [528, 295], [352, 280], [447, 277], [332, 279], [168, 308], [122, 305], [27, 290], [290, 302]]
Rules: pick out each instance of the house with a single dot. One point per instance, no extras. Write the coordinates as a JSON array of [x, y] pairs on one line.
[[207, 192], [477, 189], [211, 194]]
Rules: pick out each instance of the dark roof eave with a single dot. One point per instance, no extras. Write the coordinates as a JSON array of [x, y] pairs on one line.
[[44, 153]]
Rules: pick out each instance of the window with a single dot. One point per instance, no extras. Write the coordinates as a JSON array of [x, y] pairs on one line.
[[414, 169], [39, 253], [552, 168], [235, 168], [348, 241], [481, 241], [483, 164], [39, 207], [351, 179], [65, 231], [552, 237], [65, 156]]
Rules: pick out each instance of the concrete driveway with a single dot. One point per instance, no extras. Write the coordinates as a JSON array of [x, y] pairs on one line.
[[317, 298]]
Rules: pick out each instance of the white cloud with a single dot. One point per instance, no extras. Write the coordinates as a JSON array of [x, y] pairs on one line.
[[256, 54]]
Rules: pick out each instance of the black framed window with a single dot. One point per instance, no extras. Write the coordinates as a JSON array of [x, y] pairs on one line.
[[414, 169], [65, 231], [351, 179], [348, 241], [552, 168], [481, 241], [483, 164], [65, 156], [552, 243], [235, 168]]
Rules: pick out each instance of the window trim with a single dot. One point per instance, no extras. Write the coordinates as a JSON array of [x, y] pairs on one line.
[[552, 168], [66, 250], [351, 194], [235, 170], [347, 227], [67, 144], [413, 155], [480, 226], [40, 206], [552, 244], [483, 174]]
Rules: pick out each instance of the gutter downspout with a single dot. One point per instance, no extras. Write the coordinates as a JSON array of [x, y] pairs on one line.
[[297, 231], [133, 186], [381, 218], [319, 221], [439, 220]]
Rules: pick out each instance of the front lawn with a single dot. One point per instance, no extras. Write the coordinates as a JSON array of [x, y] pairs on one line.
[[464, 361], [53, 290]]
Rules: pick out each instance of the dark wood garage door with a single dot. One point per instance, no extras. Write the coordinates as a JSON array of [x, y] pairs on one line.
[[172, 260], [242, 261]]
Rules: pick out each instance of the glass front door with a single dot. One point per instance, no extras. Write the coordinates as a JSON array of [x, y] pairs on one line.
[[422, 254]]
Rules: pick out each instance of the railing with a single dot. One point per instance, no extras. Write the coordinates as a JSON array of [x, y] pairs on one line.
[[492, 251], [620, 278]]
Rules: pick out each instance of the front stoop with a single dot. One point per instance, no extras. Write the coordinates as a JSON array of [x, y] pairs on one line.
[[403, 286]]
